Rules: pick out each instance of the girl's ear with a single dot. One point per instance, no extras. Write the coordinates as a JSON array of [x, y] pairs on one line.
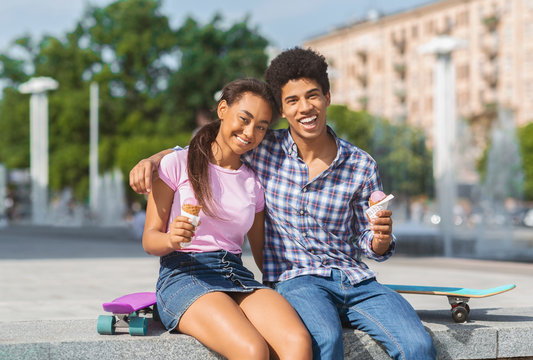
[[221, 109]]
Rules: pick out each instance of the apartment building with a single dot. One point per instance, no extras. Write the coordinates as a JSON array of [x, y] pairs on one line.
[[375, 64]]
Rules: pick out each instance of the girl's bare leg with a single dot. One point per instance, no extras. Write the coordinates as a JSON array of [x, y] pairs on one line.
[[277, 322], [218, 322]]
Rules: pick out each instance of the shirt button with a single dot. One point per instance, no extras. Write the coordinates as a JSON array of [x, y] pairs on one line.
[[304, 189], [304, 234], [302, 212]]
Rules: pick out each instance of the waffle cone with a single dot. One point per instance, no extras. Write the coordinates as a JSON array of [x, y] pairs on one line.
[[191, 209], [372, 203]]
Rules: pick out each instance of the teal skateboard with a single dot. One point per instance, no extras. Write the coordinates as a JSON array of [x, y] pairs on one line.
[[457, 297]]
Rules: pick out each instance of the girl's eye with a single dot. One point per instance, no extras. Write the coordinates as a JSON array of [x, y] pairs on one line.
[[244, 119]]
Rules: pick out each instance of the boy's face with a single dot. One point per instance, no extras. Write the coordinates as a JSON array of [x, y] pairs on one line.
[[304, 106]]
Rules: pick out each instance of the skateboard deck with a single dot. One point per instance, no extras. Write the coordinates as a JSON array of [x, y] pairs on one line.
[[129, 311], [457, 297]]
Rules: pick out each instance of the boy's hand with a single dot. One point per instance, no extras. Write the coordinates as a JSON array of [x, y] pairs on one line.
[[382, 228], [141, 176]]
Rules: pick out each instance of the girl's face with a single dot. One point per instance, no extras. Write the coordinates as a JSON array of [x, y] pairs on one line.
[[244, 123]]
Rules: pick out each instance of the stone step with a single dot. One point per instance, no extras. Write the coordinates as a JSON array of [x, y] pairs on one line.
[[489, 334]]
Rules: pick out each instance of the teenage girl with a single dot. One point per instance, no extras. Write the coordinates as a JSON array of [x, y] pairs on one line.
[[203, 288]]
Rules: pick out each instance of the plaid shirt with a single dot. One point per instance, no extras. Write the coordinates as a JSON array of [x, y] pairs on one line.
[[314, 226]]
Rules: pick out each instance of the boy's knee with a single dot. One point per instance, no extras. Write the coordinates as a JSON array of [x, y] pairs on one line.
[[420, 347], [327, 335]]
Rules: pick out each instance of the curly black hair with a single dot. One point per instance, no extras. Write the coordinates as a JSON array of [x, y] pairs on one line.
[[296, 63]]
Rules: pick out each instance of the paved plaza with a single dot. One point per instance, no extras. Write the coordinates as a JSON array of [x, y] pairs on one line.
[[50, 273]]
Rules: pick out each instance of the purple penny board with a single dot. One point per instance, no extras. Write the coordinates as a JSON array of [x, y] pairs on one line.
[[130, 303]]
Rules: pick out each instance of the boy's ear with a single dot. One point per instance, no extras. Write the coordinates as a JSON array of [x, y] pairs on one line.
[[221, 109], [328, 98]]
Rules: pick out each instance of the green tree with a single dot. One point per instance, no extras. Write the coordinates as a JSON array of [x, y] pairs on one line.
[[404, 162], [14, 106], [354, 126], [210, 57], [151, 77], [525, 137]]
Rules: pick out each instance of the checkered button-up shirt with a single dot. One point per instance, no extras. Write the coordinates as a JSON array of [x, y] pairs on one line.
[[314, 226]]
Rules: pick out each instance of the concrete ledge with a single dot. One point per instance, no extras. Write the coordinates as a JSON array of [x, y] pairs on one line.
[[489, 334]]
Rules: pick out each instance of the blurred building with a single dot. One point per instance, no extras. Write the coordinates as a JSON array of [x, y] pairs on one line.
[[375, 64]]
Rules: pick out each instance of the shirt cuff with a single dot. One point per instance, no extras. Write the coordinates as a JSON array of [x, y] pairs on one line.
[[388, 254]]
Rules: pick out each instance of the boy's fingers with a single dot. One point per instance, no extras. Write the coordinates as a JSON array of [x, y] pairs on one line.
[[147, 185], [384, 213]]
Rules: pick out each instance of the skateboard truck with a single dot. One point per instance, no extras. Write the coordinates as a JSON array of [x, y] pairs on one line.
[[460, 308]]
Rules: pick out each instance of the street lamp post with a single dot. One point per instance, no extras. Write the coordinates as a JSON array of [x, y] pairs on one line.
[[94, 185], [38, 88], [3, 195], [444, 132]]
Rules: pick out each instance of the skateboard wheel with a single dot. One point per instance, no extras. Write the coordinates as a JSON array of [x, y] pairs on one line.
[[138, 326], [155, 313], [105, 325], [459, 314]]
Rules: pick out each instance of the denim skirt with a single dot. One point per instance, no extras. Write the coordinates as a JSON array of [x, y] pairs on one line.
[[185, 277]]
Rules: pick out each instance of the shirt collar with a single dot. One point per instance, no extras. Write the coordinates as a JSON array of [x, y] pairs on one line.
[[291, 149]]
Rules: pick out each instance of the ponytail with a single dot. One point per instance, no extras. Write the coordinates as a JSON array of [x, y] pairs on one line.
[[198, 159]]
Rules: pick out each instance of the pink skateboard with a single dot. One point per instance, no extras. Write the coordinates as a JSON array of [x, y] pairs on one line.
[[129, 311]]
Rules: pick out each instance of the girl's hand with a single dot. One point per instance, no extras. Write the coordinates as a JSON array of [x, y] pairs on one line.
[[180, 231]]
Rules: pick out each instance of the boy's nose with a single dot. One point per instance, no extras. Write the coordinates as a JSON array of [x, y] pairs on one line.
[[304, 105]]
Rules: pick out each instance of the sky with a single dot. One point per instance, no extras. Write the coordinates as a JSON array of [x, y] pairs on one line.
[[285, 23]]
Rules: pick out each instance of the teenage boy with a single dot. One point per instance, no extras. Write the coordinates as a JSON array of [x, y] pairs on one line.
[[317, 187]]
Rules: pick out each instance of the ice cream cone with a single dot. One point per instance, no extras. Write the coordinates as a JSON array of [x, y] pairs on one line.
[[191, 209], [378, 201]]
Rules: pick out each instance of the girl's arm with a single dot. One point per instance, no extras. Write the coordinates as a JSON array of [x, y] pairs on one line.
[[256, 237], [156, 241]]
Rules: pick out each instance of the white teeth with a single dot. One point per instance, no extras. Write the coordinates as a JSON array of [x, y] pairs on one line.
[[241, 140], [308, 120]]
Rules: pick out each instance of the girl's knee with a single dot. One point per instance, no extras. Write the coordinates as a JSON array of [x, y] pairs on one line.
[[297, 345], [256, 349]]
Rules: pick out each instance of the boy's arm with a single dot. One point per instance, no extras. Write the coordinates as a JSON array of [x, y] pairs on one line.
[[141, 175]]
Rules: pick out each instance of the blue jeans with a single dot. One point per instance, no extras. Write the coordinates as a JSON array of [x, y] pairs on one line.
[[326, 303]]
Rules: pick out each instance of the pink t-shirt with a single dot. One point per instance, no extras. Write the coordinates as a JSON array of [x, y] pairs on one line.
[[237, 196]]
